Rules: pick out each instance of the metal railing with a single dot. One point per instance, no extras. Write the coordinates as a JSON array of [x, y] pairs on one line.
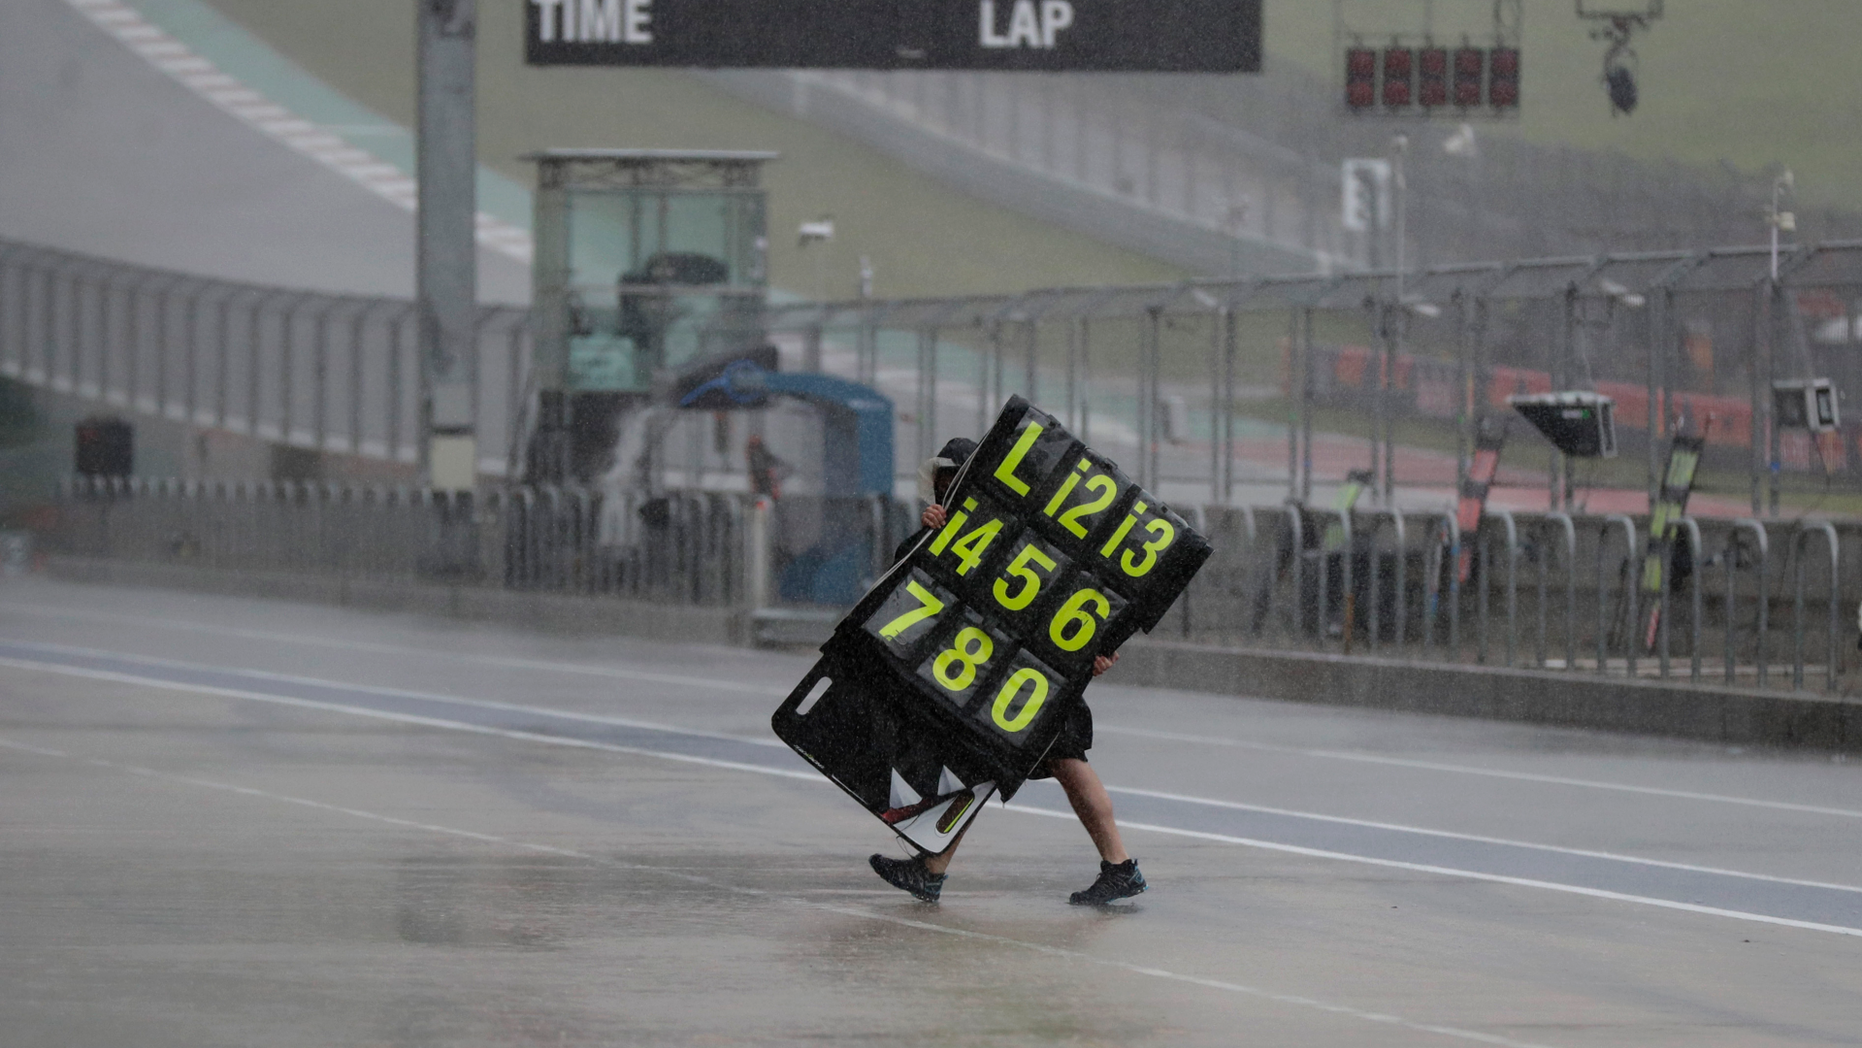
[[1551, 592], [1680, 339], [330, 373], [1163, 376]]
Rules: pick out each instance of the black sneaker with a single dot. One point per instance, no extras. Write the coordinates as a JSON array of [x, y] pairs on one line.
[[1116, 881], [910, 875]]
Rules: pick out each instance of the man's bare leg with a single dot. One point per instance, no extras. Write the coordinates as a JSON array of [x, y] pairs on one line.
[[938, 863], [1091, 803]]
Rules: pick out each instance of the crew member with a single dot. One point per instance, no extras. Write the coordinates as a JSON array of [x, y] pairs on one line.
[[923, 876]]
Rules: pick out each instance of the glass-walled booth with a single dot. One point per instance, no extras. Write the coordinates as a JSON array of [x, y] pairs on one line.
[[649, 263]]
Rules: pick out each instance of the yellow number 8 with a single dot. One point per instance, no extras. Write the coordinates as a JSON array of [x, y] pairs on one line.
[[1011, 688], [969, 649]]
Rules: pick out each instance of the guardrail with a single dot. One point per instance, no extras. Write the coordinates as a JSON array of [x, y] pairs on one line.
[[1538, 590], [331, 373], [1556, 592]]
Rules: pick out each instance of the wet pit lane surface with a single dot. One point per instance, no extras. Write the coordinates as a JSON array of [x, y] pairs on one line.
[[236, 822]]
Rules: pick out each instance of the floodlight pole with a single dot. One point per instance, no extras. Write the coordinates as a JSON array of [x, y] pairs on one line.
[[1778, 220], [445, 249], [1393, 336]]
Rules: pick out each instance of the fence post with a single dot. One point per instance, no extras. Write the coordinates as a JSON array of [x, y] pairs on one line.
[[1692, 530], [1762, 624], [1512, 586], [756, 558], [1828, 531], [1627, 588], [1571, 594]]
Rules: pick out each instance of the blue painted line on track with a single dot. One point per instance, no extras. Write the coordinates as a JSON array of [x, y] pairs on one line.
[[1819, 905]]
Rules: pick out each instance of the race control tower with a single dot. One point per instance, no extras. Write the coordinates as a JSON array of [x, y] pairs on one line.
[[648, 262]]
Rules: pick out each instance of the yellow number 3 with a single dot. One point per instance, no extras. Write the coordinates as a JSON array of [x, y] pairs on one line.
[[1164, 535]]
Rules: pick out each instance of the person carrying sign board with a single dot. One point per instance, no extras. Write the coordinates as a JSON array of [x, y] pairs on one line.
[[923, 876]]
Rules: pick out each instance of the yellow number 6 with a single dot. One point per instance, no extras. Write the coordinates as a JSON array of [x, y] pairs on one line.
[[1073, 614]]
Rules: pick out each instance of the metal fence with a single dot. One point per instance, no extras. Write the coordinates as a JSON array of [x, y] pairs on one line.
[[1740, 602], [329, 373], [1162, 375]]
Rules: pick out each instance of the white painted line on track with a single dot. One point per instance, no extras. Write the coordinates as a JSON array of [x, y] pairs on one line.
[[1296, 1000], [1468, 769], [811, 776], [1450, 871], [1449, 835], [554, 666], [404, 693], [502, 661], [200, 76], [402, 718]]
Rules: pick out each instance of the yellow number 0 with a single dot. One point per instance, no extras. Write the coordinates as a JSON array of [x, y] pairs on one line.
[[1006, 697], [968, 650]]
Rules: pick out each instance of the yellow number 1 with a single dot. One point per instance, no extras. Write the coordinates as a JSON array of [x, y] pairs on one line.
[[930, 606]]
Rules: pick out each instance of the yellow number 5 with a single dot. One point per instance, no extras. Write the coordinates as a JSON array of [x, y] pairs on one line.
[[1031, 582], [929, 606]]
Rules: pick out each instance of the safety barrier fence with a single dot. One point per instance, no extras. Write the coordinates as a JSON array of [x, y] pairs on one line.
[[1160, 376], [1744, 602], [680, 547], [332, 373]]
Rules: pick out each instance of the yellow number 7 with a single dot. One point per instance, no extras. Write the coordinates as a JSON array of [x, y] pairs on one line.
[[930, 606]]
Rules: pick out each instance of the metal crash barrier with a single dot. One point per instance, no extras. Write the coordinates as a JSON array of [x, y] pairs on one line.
[[1288, 577]]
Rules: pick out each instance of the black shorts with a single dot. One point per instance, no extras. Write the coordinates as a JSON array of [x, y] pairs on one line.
[[1075, 738]]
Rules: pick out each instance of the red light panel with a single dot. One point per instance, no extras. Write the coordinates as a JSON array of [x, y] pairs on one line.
[[1360, 77], [1432, 79], [1503, 83], [1399, 64], [1470, 63]]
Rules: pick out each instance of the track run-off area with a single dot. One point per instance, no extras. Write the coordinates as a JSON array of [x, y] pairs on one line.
[[245, 822]]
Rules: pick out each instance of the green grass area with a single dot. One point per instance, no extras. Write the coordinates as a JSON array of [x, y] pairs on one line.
[[923, 239], [1736, 80]]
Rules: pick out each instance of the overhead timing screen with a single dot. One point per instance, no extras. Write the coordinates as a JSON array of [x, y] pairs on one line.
[[1207, 36], [950, 679]]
